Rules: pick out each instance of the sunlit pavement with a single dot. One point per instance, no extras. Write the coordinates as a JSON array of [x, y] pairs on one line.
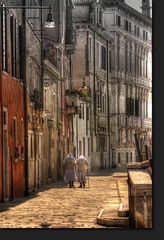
[[58, 206]]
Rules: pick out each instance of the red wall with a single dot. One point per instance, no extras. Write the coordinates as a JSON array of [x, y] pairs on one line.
[[12, 99]]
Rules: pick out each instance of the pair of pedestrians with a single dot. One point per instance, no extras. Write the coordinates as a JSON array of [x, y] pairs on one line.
[[75, 170]]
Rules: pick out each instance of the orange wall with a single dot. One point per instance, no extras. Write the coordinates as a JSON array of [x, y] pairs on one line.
[[12, 95]]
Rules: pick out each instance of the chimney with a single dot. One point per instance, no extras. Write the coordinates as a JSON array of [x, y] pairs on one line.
[[146, 8]]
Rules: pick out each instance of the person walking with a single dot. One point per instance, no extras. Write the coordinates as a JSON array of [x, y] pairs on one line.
[[82, 166], [70, 170]]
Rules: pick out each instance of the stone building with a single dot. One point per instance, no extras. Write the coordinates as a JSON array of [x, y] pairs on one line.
[[113, 60], [34, 94], [50, 125], [12, 147], [58, 47], [131, 80], [91, 80]]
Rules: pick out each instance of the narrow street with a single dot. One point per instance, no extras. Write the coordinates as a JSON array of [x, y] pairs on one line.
[[58, 206]]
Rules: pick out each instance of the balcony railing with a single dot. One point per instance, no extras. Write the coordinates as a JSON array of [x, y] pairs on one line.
[[146, 123], [101, 120]]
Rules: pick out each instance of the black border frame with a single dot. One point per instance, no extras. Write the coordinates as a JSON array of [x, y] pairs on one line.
[[158, 119]]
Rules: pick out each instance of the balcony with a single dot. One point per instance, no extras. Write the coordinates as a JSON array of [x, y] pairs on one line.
[[146, 123], [85, 93], [122, 121], [101, 120], [71, 110], [133, 122]]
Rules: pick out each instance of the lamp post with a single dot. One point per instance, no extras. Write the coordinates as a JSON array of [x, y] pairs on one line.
[[49, 23]]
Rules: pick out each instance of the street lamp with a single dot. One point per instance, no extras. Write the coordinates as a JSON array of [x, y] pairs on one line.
[[49, 23]]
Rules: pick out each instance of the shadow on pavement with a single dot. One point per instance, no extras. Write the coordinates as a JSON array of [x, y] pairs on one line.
[[58, 184]]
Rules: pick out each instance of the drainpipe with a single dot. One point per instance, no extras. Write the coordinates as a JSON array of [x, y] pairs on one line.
[[26, 193], [1, 112]]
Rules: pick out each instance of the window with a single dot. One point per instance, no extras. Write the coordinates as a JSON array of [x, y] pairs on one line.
[[130, 106], [126, 60], [15, 131], [84, 146], [135, 30], [87, 58], [140, 66], [104, 143], [126, 25], [89, 147], [4, 40], [16, 151], [31, 145], [90, 49], [131, 157], [103, 57], [130, 27], [127, 157], [91, 143], [13, 44], [97, 144], [22, 139], [136, 107], [118, 20], [100, 16], [130, 62], [110, 62], [97, 15], [20, 52], [146, 70], [105, 101], [146, 110], [146, 36], [81, 115], [87, 113], [80, 150], [127, 106], [118, 57], [138, 31], [5, 118], [119, 158], [17, 50], [97, 55], [143, 34]]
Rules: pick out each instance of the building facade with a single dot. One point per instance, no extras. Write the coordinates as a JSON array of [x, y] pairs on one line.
[[91, 72], [50, 123], [59, 46], [12, 182], [131, 81], [34, 93]]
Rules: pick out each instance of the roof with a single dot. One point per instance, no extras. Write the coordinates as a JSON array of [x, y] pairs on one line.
[[129, 9]]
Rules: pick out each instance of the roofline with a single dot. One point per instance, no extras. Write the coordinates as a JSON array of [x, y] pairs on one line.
[[133, 11]]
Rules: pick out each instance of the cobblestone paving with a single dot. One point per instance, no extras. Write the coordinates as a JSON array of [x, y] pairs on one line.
[[58, 206]]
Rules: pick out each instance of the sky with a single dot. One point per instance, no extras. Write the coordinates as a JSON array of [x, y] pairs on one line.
[[136, 4]]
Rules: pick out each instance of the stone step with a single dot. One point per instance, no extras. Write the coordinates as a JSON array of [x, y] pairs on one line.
[[123, 210], [111, 219]]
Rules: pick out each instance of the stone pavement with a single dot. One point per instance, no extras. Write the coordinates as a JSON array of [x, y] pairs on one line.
[[58, 206]]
